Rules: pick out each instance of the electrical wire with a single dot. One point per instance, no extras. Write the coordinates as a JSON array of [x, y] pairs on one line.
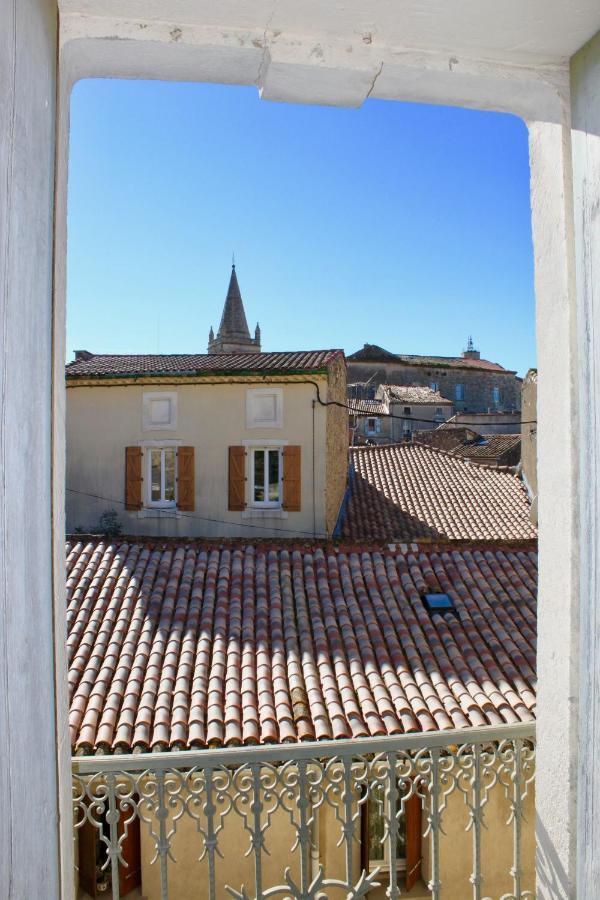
[[321, 402], [184, 515]]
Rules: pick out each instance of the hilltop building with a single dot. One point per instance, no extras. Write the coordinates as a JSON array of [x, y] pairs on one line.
[[471, 383]]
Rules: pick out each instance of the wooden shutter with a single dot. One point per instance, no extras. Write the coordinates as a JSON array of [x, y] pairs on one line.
[[130, 875], [292, 481], [237, 478], [133, 477], [412, 810], [186, 491]]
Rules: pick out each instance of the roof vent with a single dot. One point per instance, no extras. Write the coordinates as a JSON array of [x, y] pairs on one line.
[[438, 603]]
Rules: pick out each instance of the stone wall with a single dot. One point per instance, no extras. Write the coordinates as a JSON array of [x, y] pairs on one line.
[[477, 383], [336, 466], [529, 438]]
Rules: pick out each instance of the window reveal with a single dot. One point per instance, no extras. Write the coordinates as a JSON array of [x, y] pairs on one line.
[[266, 477], [162, 476], [378, 843], [375, 842]]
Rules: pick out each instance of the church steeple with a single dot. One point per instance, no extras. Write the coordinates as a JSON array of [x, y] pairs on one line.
[[233, 335]]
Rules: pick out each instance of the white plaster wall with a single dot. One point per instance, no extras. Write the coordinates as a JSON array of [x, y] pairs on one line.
[[102, 421], [585, 92], [558, 640], [34, 764], [509, 57]]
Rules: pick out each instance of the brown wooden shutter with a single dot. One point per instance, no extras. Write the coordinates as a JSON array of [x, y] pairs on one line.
[[133, 477], [292, 481], [412, 812], [237, 478], [186, 491]]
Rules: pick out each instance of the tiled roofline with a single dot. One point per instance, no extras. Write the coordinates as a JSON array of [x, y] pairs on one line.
[[332, 546], [195, 375], [369, 449], [205, 374], [454, 362]]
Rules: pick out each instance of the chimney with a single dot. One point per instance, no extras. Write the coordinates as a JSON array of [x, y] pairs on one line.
[[83, 355]]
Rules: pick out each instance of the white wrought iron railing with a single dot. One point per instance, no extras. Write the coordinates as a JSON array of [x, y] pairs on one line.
[[289, 820]]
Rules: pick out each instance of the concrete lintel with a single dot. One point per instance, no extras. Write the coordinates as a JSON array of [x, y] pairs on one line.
[[298, 69]]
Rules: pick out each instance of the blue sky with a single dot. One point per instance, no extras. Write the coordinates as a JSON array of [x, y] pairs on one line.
[[395, 224]]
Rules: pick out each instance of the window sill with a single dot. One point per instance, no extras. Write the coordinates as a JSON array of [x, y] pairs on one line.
[[158, 513], [255, 512]]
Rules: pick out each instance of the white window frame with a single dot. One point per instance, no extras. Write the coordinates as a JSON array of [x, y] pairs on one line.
[[148, 398], [160, 504], [376, 429], [384, 864], [253, 394], [265, 504], [150, 506], [496, 395]]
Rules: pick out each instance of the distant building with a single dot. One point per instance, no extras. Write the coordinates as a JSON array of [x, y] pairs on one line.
[[494, 450], [529, 437], [233, 335], [447, 439], [472, 384], [413, 407], [485, 423], [368, 421]]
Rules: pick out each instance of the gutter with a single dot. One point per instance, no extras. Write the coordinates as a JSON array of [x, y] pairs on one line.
[[337, 531]]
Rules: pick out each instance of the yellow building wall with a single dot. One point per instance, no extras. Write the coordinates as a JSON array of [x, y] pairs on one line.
[[188, 877], [102, 420]]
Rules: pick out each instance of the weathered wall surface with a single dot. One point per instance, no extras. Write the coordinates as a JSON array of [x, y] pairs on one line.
[[34, 757], [478, 384], [585, 138], [336, 467], [529, 437], [103, 421]]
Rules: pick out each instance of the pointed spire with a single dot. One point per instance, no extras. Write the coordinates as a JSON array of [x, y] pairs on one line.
[[233, 335], [233, 321]]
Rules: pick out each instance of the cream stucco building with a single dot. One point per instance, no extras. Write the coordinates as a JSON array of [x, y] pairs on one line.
[[229, 443], [214, 445]]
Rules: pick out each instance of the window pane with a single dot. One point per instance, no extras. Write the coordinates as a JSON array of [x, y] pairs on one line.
[[155, 460], [274, 476], [169, 475], [259, 476], [378, 841], [376, 823]]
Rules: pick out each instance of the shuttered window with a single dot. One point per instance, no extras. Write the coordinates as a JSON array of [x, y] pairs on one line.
[[375, 845], [237, 478], [185, 479], [412, 815], [133, 478], [292, 479]]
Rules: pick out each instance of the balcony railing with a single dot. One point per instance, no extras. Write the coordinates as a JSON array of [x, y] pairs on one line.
[[334, 819]]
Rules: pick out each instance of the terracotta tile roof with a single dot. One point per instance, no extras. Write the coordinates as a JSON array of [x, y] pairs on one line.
[[367, 407], [445, 438], [493, 446], [178, 645], [408, 491], [107, 366], [373, 353], [414, 393]]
